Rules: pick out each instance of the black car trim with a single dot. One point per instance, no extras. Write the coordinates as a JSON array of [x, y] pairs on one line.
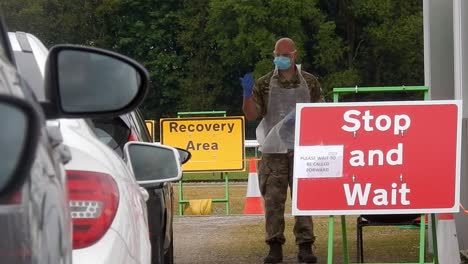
[[5, 42]]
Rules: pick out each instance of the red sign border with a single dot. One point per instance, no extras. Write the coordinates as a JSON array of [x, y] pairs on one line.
[[454, 209]]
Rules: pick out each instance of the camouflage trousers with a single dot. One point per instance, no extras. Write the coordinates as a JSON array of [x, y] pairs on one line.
[[275, 175]]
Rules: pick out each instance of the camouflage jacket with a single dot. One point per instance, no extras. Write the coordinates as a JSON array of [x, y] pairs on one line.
[[262, 89]]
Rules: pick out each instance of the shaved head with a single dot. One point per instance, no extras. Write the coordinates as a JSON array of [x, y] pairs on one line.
[[285, 44], [285, 47]]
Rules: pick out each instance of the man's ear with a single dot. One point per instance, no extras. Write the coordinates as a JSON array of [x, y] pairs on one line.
[[295, 55]]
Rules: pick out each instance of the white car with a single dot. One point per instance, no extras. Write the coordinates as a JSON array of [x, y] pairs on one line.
[[107, 204], [108, 207]]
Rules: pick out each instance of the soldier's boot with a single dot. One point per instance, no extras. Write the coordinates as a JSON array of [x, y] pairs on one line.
[[306, 255], [275, 255]]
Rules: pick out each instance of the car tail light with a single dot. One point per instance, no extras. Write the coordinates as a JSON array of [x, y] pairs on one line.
[[133, 137], [94, 198], [14, 198]]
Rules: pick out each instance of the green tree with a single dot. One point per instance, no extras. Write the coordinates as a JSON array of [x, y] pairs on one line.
[[244, 33], [382, 44], [55, 21], [146, 30], [196, 51], [202, 83], [392, 49]]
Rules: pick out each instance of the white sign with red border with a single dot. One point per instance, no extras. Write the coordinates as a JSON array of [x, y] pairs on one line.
[[377, 158]]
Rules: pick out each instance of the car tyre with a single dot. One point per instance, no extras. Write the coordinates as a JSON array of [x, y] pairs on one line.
[[169, 256], [157, 254]]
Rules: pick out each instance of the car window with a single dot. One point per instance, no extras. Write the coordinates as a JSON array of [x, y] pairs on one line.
[[140, 123], [113, 132], [107, 139]]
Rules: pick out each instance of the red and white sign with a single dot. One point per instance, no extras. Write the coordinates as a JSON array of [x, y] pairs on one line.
[[377, 158]]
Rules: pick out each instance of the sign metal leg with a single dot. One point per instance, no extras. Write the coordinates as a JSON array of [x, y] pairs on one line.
[[434, 239], [345, 240], [422, 238], [331, 222], [181, 198]]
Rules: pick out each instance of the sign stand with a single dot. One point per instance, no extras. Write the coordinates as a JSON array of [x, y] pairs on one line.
[[336, 93], [224, 200], [422, 240]]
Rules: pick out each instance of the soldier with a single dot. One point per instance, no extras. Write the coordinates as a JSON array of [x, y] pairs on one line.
[[273, 97]]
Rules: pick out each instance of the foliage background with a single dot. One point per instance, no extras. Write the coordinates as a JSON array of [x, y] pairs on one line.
[[196, 51]]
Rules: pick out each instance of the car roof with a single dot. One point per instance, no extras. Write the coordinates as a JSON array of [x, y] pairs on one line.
[[26, 42]]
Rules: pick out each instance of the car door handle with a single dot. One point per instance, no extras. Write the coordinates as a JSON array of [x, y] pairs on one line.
[[144, 194]]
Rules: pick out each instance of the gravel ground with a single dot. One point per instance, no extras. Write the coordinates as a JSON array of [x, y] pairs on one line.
[[195, 237]]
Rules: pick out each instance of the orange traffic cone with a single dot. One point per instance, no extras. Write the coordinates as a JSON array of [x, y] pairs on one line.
[[253, 199], [447, 241]]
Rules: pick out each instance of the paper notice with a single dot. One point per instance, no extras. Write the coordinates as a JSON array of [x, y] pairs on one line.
[[318, 161]]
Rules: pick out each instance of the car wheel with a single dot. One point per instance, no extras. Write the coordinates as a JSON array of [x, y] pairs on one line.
[[169, 256], [157, 250]]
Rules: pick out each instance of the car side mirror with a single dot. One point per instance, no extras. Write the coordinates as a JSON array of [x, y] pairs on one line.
[[19, 139], [153, 163], [91, 82], [185, 155]]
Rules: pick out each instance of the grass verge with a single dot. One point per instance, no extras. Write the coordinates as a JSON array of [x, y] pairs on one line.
[[381, 244]]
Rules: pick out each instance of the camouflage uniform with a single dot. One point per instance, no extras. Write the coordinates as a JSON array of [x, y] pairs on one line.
[[276, 170], [262, 89]]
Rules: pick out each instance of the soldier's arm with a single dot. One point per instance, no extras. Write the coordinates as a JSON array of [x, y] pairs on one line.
[[252, 106], [316, 92], [249, 108]]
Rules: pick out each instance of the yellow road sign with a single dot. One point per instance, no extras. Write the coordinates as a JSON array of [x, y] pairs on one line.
[[216, 143], [150, 125]]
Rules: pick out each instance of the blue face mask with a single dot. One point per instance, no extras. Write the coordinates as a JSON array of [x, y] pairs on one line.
[[283, 63]]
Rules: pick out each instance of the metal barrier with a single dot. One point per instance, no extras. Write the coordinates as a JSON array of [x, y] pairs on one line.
[[224, 200], [347, 90], [182, 201]]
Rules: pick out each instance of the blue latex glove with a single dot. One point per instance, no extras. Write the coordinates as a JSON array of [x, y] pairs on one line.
[[247, 83], [290, 119]]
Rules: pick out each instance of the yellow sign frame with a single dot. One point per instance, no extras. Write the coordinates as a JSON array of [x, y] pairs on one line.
[[150, 125], [216, 143]]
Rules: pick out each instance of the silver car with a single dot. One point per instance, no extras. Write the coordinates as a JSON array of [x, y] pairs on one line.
[[34, 207]]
